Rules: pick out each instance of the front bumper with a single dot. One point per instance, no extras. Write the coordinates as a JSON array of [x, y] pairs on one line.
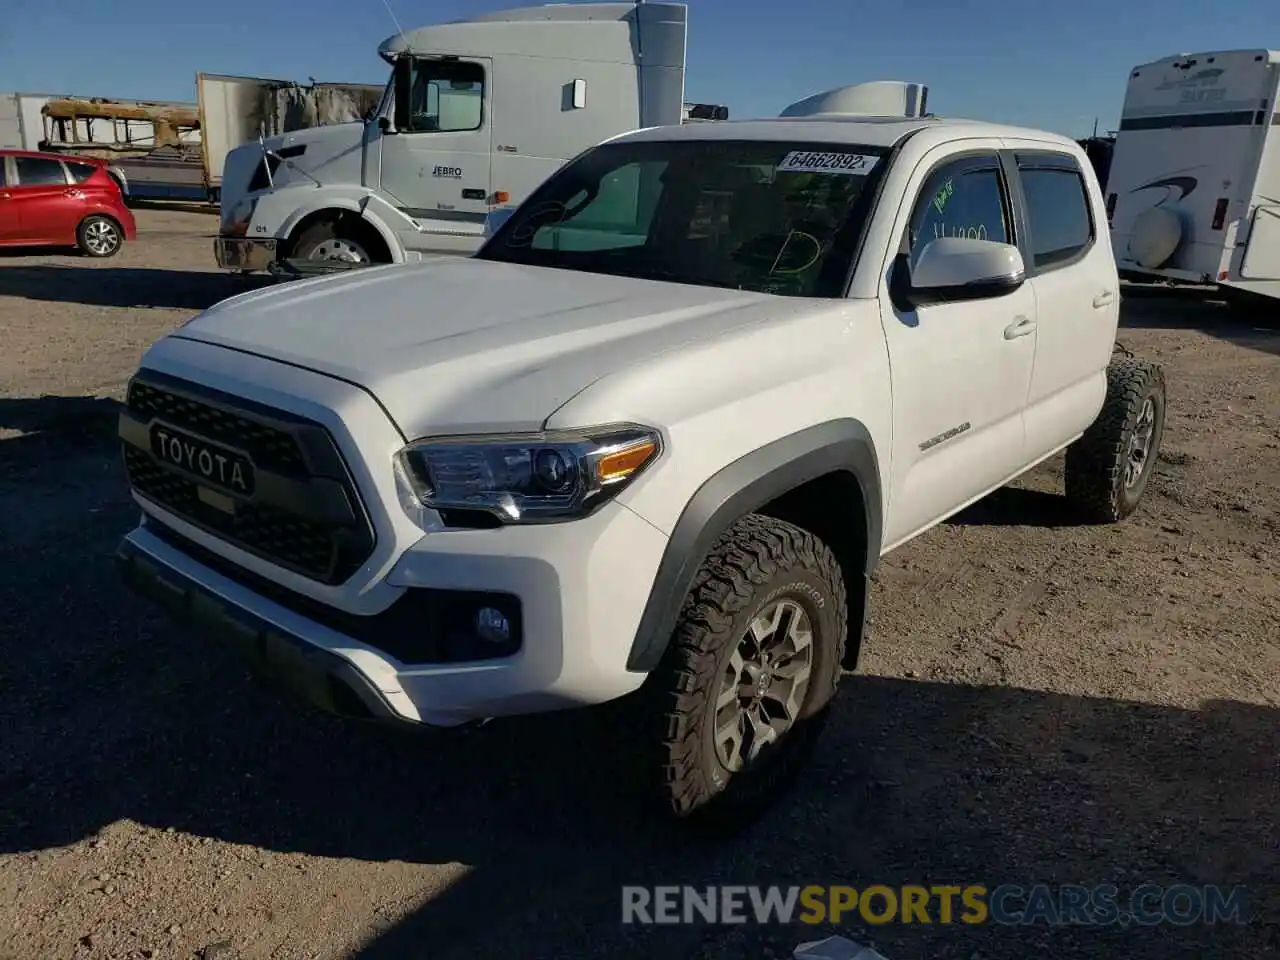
[[321, 678], [581, 594], [244, 254]]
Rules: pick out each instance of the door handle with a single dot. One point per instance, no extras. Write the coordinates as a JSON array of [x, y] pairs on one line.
[[1020, 327], [72, 192], [1105, 298], [473, 193]]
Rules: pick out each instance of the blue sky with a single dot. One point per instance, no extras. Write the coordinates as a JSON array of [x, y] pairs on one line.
[[1054, 65]]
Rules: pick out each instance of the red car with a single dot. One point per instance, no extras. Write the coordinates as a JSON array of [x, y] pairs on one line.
[[50, 200]]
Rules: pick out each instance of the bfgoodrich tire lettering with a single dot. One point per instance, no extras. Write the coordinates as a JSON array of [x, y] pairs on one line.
[[784, 579], [1107, 469]]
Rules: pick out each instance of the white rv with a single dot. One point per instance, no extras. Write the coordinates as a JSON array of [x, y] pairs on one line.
[[1194, 188], [476, 114]]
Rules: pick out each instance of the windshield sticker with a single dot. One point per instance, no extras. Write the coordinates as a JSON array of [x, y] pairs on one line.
[[805, 161]]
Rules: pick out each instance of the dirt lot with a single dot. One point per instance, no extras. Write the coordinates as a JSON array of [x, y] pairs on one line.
[[1040, 703]]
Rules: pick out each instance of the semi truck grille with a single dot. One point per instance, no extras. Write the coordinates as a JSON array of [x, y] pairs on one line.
[[267, 481]]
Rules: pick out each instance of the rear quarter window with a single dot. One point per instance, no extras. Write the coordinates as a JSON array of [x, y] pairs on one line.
[[1059, 219], [80, 172]]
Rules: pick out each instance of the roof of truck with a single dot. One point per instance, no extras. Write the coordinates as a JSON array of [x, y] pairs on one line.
[[866, 131], [432, 38]]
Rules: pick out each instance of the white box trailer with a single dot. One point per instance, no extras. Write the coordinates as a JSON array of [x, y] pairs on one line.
[[21, 120], [1193, 193]]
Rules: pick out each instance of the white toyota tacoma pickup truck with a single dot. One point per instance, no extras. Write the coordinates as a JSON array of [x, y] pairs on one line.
[[660, 428]]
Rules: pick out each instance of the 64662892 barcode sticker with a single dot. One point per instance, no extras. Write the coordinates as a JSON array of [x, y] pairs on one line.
[[810, 161]]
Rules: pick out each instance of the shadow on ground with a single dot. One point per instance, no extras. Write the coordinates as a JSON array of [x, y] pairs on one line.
[[125, 286], [37, 432], [108, 714], [1157, 307], [1019, 507]]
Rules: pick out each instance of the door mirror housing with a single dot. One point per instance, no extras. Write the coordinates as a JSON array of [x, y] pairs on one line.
[[385, 125], [953, 269]]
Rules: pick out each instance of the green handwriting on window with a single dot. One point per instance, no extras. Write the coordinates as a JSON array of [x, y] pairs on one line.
[[943, 195], [941, 229]]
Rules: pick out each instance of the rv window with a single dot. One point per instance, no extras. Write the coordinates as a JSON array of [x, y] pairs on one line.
[[445, 96], [1058, 217], [37, 171]]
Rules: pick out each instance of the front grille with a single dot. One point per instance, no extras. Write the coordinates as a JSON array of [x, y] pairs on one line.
[[306, 515], [270, 448]]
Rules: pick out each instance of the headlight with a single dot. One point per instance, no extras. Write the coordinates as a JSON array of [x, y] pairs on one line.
[[530, 478]]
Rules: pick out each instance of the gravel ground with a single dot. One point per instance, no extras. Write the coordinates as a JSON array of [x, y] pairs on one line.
[[1039, 703]]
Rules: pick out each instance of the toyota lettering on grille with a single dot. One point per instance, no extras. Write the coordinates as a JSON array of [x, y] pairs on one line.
[[218, 466]]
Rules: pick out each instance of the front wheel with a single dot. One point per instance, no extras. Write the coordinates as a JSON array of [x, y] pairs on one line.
[[329, 241], [1108, 468], [99, 237], [751, 671]]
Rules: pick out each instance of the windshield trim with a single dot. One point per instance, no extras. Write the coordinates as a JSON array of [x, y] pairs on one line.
[[850, 237]]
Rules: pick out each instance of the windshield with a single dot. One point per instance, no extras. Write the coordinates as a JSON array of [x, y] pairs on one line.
[[780, 218]]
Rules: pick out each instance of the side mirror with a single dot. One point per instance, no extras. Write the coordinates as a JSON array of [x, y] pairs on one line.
[[385, 125], [953, 269], [494, 220]]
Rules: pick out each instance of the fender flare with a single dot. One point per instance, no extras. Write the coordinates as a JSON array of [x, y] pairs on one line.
[[743, 487], [360, 208]]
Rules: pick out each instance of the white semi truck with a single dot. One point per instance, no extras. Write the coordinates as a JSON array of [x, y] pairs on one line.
[[1193, 193], [475, 115]]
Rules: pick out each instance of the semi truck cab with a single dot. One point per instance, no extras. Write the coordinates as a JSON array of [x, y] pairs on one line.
[[475, 115]]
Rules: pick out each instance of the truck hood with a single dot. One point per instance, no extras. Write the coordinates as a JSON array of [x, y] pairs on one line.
[[459, 345], [343, 134], [327, 156]]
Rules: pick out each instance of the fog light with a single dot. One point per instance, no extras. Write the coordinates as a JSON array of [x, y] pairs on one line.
[[492, 625]]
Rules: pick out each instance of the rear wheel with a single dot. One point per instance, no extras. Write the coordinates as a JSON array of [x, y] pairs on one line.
[[747, 681], [1108, 468], [99, 236]]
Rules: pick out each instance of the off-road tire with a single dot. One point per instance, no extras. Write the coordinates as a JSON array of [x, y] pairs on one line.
[[99, 236], [1095, 467], [754, 564]]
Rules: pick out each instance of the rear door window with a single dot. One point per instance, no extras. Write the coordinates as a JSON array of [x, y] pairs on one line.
[[39, 171], [1059, 221]]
